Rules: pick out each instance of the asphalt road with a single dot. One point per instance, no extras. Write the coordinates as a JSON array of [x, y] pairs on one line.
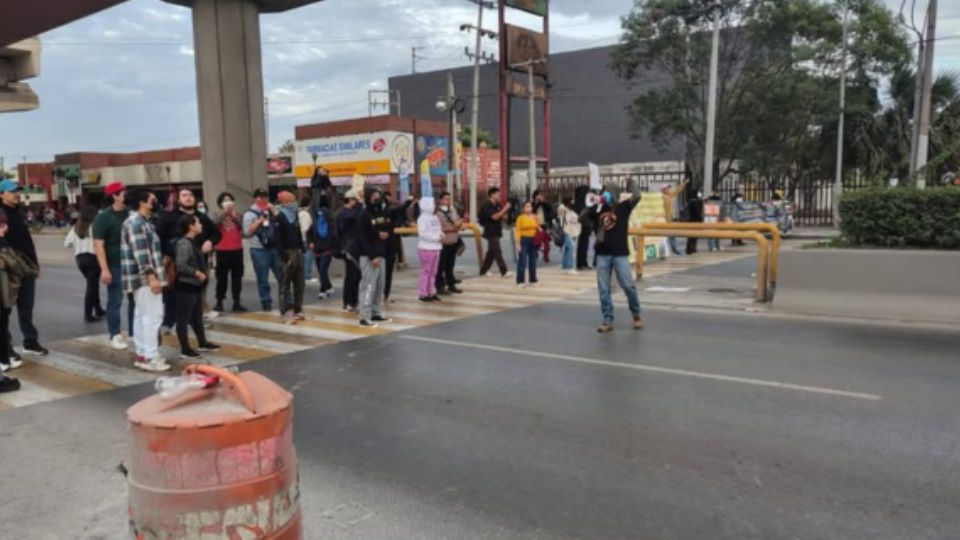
[[527, 424]]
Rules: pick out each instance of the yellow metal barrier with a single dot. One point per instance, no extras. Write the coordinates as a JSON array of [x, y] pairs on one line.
[[768, 228], [472, 227], [763, 248]]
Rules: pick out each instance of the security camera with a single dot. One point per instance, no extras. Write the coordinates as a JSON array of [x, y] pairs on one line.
[[442, 105]]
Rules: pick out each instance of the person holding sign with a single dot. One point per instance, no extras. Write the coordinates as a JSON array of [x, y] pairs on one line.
[[611, 223]]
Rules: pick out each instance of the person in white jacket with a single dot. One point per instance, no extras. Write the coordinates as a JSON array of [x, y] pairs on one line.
[[80, 238], [430, 235], [306, 222]]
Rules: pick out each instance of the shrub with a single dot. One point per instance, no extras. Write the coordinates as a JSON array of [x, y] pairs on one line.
[[902, 218]]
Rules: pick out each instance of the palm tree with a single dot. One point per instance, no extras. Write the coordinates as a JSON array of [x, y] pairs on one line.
[[881, 141]]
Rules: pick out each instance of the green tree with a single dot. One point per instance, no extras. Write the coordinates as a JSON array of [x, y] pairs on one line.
[[778, 78], [287, 147], [482, 137]]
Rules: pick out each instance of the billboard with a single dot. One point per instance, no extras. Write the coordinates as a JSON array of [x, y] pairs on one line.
[[537, 7], [434, 150], [381, 152], [279, 165], [524, 45]]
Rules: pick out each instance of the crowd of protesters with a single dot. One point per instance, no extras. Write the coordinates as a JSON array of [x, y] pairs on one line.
[[162, 262]]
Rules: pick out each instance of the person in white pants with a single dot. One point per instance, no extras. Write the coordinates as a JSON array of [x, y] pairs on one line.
[[143, 276]]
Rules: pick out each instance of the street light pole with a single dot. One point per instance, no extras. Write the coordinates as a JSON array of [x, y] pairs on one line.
[[451, 147], [838, 181], [715, 12]]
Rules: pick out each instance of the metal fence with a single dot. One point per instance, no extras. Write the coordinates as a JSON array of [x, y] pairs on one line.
[[811, 200]]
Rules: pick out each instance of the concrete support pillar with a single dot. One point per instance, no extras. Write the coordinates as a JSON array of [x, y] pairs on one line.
[[226, 37]]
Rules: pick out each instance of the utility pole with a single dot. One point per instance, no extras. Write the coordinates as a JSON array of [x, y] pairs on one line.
[[531, 94], [413, 59], [917, 92], [838, 181], [477, 55], [923, 141], [715, 13], [451, 150]]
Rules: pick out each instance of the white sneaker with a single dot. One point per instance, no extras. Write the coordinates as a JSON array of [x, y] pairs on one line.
[[4, 368], [211, 315], [154, 365], [508, 274], [15, 362], [571, 272], [313, 280], [321, 296], [521, 285], [118, 342]]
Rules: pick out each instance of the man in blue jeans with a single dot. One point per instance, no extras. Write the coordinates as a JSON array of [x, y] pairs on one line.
[[611, 223], [107, 229], [258, 228]]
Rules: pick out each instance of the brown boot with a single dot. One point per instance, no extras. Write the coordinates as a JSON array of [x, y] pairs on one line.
[[638, 323]]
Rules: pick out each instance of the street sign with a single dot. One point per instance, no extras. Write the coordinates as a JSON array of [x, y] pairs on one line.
[[537, 7]]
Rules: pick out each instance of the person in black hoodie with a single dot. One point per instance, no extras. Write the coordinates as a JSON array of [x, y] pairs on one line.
[[291, 248], [612, 255], [346, 227], [373, 230], [168, 229], [18, 238]]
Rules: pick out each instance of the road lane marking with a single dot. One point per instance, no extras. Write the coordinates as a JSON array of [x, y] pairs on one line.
[[651, 369]]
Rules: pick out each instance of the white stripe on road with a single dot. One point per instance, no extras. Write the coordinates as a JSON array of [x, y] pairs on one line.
[[93, 369], [29, 394], [297, 330], [651, 369]]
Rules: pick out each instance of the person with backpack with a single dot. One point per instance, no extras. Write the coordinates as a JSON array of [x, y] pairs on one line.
[[320, 239], [229, 252], [291, 248], [346, 226], [259, 229]]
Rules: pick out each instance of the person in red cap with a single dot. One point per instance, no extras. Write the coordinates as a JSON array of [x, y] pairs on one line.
[[107, 231]]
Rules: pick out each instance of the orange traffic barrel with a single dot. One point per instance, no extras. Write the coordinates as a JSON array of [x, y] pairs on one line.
[[215, 462]]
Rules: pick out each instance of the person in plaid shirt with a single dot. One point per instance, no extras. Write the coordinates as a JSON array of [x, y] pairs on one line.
[[142, 271]]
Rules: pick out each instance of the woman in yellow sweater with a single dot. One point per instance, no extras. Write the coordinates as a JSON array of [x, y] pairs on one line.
[[526, 230]]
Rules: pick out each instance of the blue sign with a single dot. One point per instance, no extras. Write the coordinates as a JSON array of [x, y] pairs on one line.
[[435, 150]]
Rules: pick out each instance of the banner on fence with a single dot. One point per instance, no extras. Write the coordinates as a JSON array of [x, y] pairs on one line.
[[649, 210]]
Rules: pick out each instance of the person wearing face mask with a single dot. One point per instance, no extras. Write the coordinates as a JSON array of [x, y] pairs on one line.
[[451, 224], [168, 228], [290, 246], [229, 252], [143, 276], [372, 233], [345, 225]]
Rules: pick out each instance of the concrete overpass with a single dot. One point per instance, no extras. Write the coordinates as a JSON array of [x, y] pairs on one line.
[[226, 35], [18, 62]]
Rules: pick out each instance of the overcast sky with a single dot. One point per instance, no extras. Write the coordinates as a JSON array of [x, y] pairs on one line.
[[123, 79]]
